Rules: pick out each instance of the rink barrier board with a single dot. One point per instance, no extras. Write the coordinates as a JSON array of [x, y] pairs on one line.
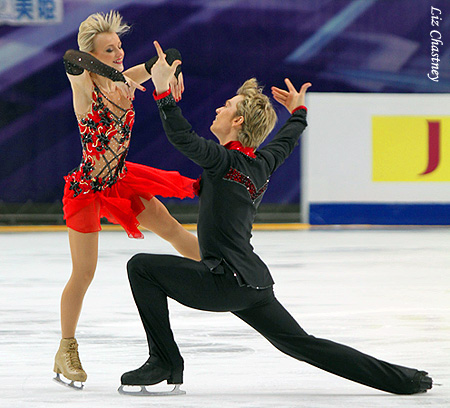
[[376, 159]]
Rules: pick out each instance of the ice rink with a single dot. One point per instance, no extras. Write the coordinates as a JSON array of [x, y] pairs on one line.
[[385, 292]]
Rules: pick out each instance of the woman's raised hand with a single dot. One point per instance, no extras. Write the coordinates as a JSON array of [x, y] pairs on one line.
[[177, 86], [128, 88]]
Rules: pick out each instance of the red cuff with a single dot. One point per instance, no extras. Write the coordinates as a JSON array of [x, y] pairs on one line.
[[161, 96], [299, 107]]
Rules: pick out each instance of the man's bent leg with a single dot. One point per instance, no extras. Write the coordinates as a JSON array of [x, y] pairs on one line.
[[154, 278], [280, 328], [151, 301]]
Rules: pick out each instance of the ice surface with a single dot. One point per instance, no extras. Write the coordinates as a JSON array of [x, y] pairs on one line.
[[384, 292]]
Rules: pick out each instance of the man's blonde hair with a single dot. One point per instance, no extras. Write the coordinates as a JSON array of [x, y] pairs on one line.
[[99, 23], [259, 115]]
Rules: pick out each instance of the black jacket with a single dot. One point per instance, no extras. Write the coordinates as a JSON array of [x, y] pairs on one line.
[[231, 188]]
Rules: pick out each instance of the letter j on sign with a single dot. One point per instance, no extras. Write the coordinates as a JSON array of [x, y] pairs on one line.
[[411, 148]]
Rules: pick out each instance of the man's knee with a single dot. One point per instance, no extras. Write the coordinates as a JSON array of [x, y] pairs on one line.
[[137, 264]]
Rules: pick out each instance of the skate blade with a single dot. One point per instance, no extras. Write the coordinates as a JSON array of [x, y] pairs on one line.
[[72, 384], [145, 393]]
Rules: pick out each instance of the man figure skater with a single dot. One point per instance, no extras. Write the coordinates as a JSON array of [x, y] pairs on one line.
[[231, 277]]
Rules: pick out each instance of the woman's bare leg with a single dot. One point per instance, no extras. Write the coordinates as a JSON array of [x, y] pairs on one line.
[[156, 218], [84, 251]]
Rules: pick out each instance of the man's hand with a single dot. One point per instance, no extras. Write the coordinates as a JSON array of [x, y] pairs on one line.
[[162, 72], [290, 99]]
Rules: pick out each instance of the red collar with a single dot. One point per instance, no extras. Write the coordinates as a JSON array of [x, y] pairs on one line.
[[236, 145]]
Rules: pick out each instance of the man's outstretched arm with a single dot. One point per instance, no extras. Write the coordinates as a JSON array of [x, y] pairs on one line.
[[206, 153], [284, 142]]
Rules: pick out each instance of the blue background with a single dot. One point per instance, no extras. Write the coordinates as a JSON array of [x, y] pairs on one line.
[[338, 45]]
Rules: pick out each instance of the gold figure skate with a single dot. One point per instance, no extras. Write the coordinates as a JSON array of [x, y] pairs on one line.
[[67, 363]]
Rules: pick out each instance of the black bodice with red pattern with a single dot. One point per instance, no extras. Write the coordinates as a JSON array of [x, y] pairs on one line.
[[105, 138]]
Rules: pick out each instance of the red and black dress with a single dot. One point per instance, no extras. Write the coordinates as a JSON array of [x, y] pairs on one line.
[[104, 184]]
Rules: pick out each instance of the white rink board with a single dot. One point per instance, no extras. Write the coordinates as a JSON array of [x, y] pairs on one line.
[[337, 149]]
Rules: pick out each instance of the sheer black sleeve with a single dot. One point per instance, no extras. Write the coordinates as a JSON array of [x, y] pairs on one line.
[[172, 54], [75, 62]]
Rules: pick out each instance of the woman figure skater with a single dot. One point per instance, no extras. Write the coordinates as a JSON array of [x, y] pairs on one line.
[[104, 184]]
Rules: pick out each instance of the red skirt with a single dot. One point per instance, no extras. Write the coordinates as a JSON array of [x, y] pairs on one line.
[[121, 203]]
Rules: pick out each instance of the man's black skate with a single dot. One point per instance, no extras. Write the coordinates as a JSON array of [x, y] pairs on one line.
[[151, 373], [422, 382]]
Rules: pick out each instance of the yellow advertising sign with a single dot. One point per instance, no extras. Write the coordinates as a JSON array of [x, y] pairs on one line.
[[411, 148]]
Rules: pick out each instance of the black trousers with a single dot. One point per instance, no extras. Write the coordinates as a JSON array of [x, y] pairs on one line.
[[153, 278]]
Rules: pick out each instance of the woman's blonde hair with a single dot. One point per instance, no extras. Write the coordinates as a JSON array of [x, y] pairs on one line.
[[99, 23], [259, 115]]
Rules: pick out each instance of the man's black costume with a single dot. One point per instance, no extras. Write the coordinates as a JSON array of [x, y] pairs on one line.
[[231, 277]]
